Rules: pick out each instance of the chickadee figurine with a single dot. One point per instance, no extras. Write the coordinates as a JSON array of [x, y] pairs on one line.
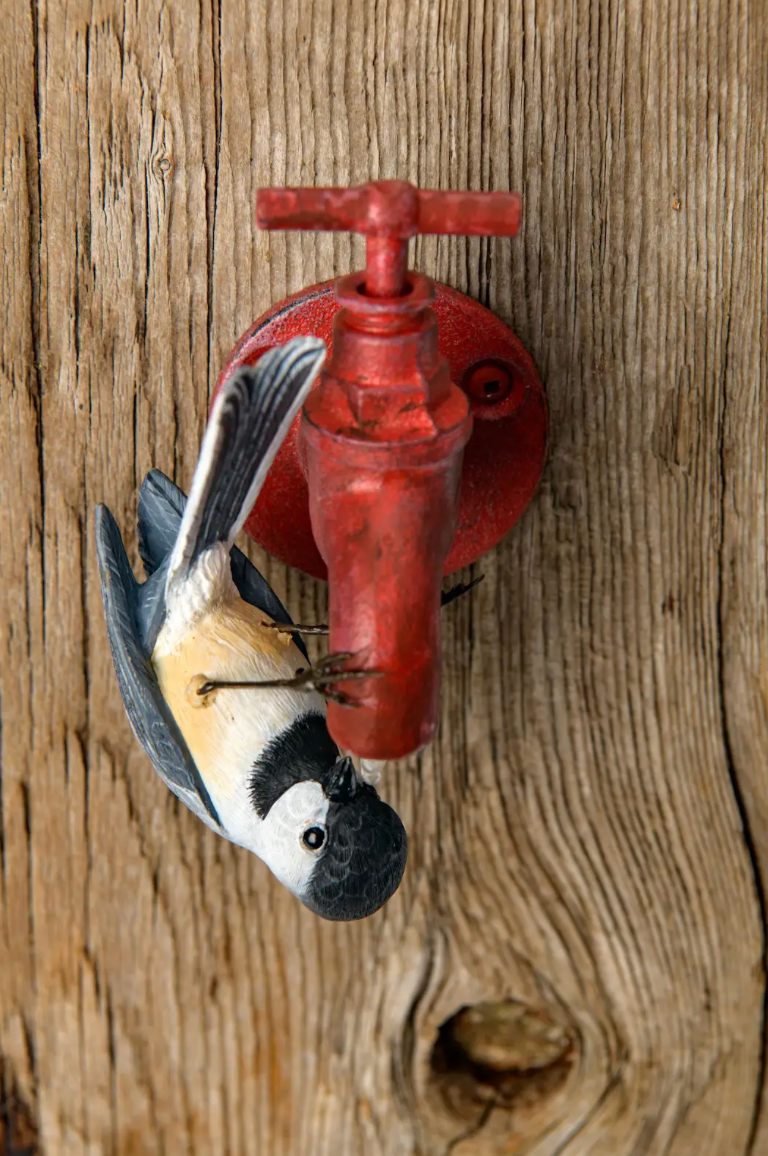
[[225, 705]]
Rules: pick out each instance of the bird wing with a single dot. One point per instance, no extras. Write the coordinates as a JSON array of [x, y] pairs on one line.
[[148, 713], [161, 508]]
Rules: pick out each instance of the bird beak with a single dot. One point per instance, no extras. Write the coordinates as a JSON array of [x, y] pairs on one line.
[[340, 783]]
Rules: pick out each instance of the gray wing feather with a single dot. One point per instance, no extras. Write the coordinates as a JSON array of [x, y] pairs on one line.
[[161, 507], [149, 612], [148, 713], [249, 421]]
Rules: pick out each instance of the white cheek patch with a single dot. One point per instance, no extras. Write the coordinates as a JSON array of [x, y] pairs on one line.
[[280, 835], [297, 808]]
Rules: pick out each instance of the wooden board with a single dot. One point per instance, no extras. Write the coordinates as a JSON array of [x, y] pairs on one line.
[[590, 832]]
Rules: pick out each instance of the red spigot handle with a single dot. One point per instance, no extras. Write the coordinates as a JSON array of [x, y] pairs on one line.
[[383, 435], [389, 213]]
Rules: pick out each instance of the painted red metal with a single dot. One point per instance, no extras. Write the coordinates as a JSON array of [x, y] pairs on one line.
[[503, 458], [382, 439]]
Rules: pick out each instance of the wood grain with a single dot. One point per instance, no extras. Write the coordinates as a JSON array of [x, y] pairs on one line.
[[589, 834]]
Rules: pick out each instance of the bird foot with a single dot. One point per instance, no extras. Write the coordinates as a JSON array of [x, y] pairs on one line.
[[324, 677]]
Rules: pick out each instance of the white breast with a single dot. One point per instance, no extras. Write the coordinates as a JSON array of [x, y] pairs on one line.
[[228, 729]]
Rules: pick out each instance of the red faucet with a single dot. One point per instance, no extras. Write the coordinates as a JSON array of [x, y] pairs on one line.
[[383, 437]]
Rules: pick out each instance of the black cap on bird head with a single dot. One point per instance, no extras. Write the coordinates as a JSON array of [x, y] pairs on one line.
[[365, 854]]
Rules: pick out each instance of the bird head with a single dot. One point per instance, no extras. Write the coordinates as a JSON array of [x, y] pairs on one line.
[[325, 833]]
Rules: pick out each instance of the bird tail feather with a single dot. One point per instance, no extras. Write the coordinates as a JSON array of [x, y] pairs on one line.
[[249, 421]]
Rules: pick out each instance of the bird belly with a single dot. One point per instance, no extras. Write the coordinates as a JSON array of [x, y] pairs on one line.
[[227, 729]]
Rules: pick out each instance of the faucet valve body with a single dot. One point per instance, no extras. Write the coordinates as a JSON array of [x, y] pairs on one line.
[[382, 439]]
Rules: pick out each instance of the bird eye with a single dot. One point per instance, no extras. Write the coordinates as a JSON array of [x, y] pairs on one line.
[[313, 837]]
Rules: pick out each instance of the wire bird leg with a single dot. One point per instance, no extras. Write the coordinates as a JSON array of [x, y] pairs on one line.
[[323, 678], [446, 597], [459, 590]]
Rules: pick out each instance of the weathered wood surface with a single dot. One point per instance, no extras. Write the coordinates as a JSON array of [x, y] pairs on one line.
[[578, 832]]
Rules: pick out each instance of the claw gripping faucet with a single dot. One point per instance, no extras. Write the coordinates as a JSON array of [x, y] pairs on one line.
[[418, 448]]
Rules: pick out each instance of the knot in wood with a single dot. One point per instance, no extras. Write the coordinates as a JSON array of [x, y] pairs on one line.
[[506, 1036]]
